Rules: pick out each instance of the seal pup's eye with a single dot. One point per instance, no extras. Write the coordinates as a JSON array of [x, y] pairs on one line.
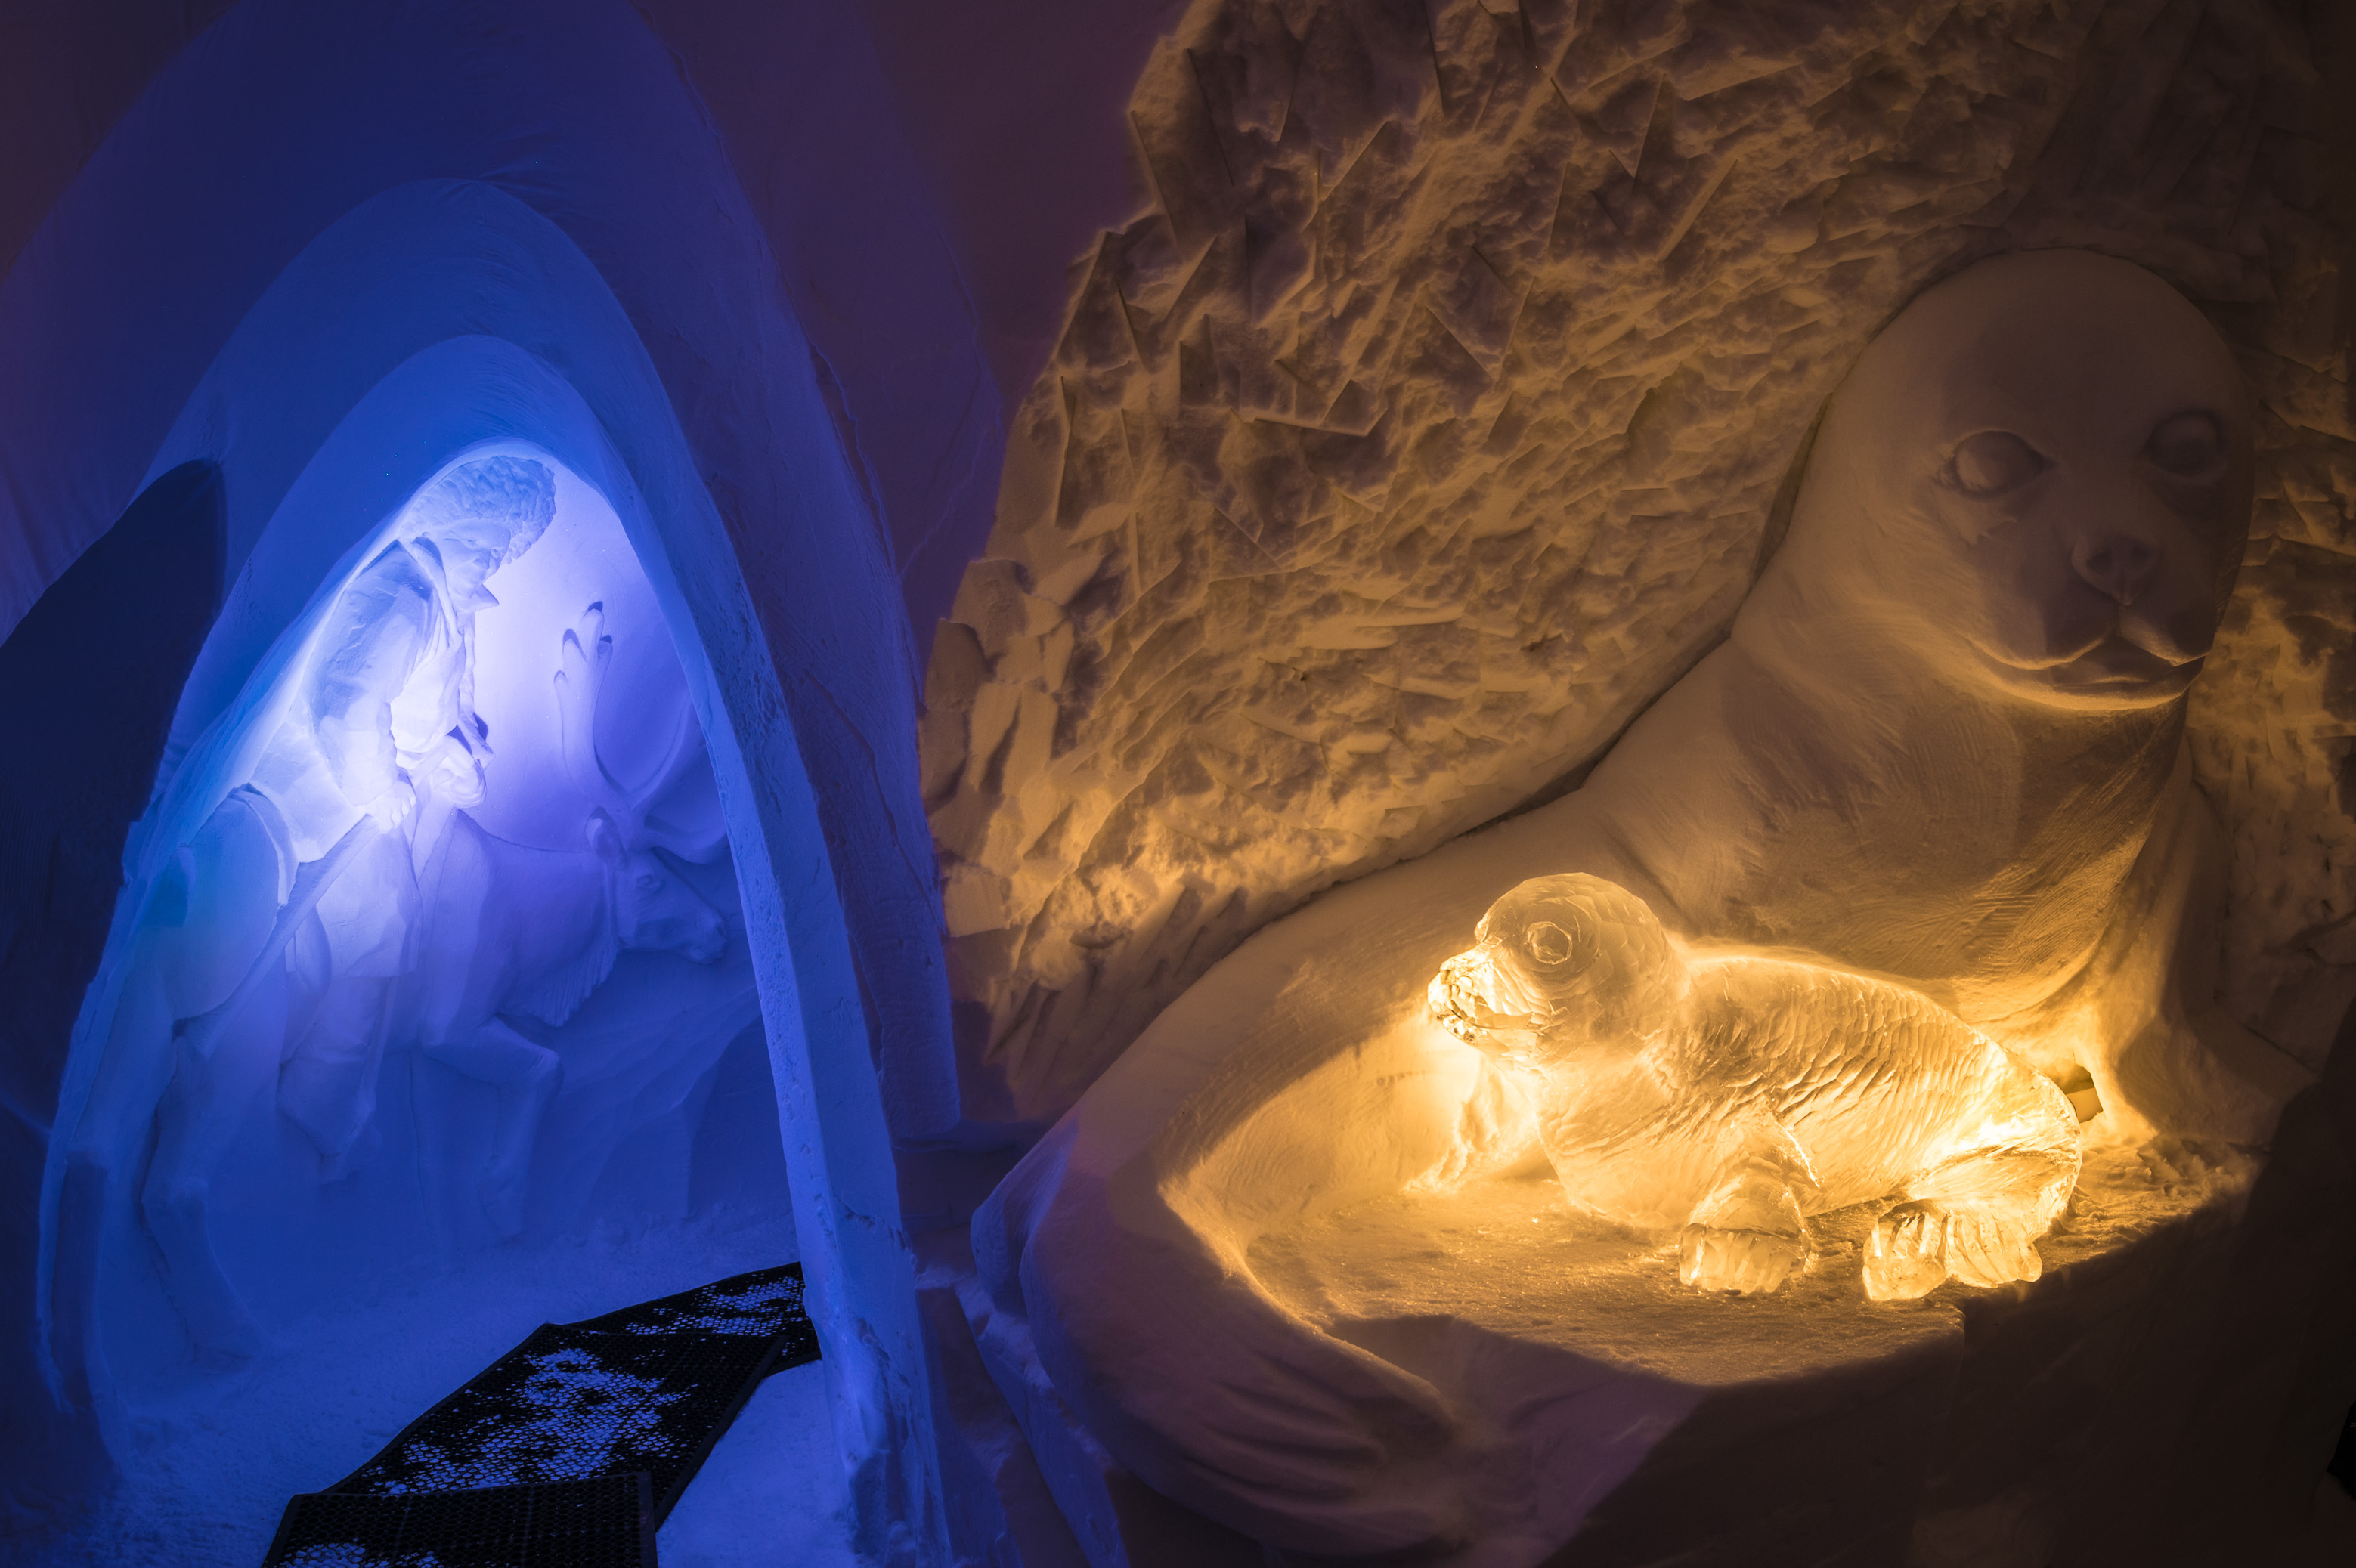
[[1993, 461], [2190, 445], [1549, 942]]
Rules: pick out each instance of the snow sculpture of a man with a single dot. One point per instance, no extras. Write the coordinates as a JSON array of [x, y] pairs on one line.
[[385, 730], [288, 920], [1729, 1097]]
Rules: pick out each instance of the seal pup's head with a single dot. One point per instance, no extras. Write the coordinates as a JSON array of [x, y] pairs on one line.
[[2035, 481], [1561, 968]]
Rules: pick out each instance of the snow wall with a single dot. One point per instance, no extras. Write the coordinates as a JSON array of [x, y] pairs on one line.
[[1442, 408]]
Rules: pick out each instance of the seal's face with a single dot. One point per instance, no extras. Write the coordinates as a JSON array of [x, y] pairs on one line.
[[1560, 967], [2046, 461]]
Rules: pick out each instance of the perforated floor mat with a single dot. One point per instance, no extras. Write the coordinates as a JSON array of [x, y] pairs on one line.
[[572, 1402], [766, 1302], [635, 1396], [603, 1522]]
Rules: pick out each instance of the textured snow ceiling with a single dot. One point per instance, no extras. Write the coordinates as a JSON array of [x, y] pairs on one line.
[[1429, 419]]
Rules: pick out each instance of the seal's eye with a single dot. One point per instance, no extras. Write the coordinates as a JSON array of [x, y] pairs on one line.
[[1547, 943], [2191, 445], [1993, 461]]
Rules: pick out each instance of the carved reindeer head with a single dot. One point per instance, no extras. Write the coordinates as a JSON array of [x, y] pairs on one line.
[[653, 905]]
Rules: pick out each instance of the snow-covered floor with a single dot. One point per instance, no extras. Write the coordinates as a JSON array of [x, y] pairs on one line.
[[208, 1476]]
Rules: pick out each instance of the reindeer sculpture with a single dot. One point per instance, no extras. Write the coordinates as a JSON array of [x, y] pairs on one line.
[[513, 932]]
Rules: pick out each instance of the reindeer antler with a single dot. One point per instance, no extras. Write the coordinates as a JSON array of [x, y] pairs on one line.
[[580, 683]]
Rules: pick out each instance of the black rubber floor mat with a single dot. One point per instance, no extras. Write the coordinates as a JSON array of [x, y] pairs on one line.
[[766, 1302], [572, 1402], [607, 1522]]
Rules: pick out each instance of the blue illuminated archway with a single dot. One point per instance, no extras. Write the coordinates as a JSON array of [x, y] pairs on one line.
[[410, 264]]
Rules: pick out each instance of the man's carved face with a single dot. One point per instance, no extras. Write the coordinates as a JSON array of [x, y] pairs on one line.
[[471, 550], [2045, 464]]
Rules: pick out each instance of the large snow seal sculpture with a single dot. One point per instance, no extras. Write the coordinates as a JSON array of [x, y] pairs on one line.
[[1942, 744], [1731, 1097]]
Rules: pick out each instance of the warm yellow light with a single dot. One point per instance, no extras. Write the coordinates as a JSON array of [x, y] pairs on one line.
[[1729, 1097]]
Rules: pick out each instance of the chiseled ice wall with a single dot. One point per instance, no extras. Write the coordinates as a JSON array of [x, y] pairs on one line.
[[1430, 417]]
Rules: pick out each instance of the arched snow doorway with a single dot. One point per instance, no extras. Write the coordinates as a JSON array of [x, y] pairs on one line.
[[339, 487], [249, 1247], [438, 948], [568, 261], [343, 486]]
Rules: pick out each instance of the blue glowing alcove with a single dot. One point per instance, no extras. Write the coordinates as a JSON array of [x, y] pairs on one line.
[[659, 1162], [452, 395], [298, 1247], [369, 264], [219, 1220]]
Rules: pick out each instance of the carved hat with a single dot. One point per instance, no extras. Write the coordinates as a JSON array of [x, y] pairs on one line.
[[516, 492]]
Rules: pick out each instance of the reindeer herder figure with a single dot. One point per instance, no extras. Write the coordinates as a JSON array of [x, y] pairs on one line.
[[384, 728]]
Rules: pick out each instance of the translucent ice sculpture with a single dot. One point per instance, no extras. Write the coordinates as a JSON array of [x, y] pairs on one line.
[[1736, 1096]]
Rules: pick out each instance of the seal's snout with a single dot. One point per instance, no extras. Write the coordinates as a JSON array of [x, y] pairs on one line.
[[1559, 965], [1465, 1000], [2118, 566]]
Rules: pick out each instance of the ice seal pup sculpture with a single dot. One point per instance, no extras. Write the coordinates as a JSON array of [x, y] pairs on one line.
[[1733, 1097]]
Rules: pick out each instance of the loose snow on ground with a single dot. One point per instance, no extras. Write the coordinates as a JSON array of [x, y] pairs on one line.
[[208, 1474]]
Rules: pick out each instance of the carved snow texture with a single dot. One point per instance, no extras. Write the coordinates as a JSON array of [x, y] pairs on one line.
[[1431, 416]]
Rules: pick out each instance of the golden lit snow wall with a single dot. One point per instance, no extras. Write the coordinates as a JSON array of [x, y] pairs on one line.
[[1429, 419]]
